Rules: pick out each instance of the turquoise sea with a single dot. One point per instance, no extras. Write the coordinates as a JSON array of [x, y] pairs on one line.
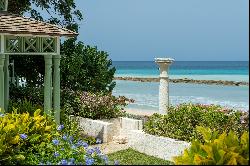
[[146, 94]]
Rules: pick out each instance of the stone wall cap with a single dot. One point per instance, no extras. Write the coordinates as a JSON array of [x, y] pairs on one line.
[[164, 60]]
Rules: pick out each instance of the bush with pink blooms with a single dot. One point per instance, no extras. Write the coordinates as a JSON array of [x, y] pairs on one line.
[[94, 106]]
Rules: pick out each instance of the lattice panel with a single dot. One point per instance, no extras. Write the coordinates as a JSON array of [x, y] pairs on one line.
[[15, 44], [49, 45], [31, 44], [2, 5]]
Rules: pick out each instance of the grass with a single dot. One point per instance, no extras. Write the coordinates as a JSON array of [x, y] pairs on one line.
[[132, 157]]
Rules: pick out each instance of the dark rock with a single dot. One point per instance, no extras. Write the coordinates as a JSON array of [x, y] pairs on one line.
[[186, 80]]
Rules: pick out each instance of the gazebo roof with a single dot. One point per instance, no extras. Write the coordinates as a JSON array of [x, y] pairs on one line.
[[18, 25]]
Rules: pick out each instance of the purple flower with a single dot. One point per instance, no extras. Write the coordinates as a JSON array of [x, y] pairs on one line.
[[55, 142], [64, 162], [65, 137], [71, 139], [90, 151], [89, 161], [60, 127], [70, 163], [85, 145], [79, 143], [72, 160], [98, 141], [116, 162], [56, 154], [73, 147], [97, 150], [105, 158], [23, 136]]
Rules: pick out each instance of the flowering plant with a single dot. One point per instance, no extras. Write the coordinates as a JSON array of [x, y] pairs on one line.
[[26, 139], [95, 106], [21, 134], [65, 149]]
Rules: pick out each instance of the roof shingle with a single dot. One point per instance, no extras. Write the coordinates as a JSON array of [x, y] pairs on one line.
[[14, 24]]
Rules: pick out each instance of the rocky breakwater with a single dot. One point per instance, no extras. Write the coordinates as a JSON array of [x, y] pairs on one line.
[[186, 80]]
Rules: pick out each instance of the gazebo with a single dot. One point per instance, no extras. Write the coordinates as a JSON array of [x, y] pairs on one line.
[[25, 36]]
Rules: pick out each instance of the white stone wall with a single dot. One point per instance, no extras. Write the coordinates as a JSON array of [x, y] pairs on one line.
[[127, 130], [99, 129], [161, 147]]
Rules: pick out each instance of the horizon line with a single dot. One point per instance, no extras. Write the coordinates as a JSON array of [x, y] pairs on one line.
[[180, 61]]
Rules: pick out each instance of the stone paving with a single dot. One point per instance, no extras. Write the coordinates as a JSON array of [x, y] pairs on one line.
[[111, 147]]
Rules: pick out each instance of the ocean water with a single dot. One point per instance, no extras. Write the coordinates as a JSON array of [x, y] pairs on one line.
[[207, 70], [145, 94]]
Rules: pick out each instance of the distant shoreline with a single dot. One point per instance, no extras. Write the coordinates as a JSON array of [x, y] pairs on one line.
[[187, 80]]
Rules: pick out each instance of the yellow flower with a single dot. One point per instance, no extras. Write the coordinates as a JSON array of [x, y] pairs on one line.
[[26, 117], [38, 126], [15, 140], [9, 127], [47, 128]]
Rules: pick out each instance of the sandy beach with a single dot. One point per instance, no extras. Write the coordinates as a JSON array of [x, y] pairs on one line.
[[140, 112]]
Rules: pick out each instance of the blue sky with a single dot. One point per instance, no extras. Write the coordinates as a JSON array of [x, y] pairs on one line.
[[181, 29]]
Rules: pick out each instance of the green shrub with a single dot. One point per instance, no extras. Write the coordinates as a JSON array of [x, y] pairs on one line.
[[85, 68], [31, 94], [94, 106], [223, 149], [181, 121], [72, 128], [24, 106], [14, 128], [26, 139], [66, 149]]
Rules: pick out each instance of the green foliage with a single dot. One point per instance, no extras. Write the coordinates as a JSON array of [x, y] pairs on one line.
[[31, 140], [66, 149], [180, 122], [38, 129], [132, 157], [33, 95], [223, 149], [94, 106], [32, 67], [24, 106], [84, 68], [66, 9]]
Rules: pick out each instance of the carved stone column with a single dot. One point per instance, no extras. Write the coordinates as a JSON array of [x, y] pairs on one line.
[[164, 64]]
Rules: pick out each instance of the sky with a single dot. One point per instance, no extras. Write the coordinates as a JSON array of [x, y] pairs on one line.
[[185, 30]]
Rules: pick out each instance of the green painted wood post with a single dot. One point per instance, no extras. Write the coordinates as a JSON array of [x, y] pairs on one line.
[[6, 83], [56, 87], [2, 58], [47, 83]]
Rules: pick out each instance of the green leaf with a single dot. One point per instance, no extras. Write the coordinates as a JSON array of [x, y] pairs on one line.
[[206, 133]]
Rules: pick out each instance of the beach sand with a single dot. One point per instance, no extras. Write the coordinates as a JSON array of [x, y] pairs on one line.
[[140, 112]]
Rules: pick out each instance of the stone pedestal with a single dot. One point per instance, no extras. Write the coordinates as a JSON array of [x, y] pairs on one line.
[[164, 64]]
